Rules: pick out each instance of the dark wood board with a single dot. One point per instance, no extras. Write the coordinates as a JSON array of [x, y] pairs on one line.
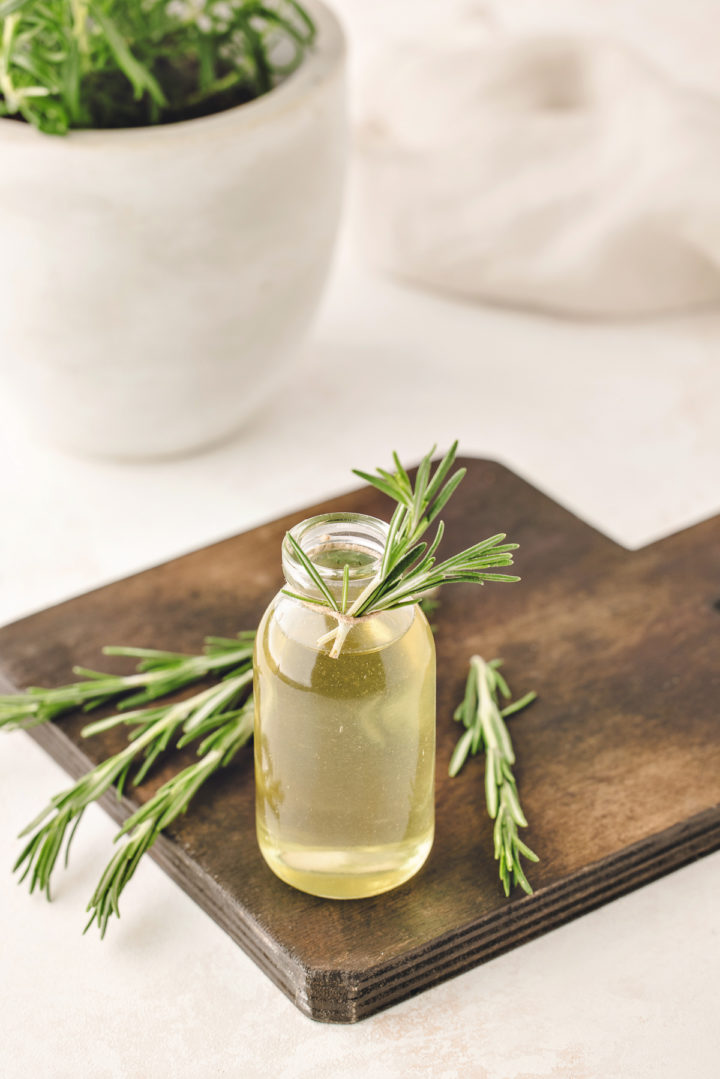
[[618, 760]]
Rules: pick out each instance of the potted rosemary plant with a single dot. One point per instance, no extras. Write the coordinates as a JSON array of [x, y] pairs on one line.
[[170, 190]]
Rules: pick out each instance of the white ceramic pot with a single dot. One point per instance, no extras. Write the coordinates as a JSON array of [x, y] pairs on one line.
[[154, 280]]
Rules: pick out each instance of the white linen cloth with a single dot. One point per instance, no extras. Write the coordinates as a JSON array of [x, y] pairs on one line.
[[563, 172]]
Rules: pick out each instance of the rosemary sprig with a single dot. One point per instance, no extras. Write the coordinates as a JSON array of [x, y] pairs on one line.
[[145, 825], [484, 721], [409, 569], [158, 674], [153, 730]]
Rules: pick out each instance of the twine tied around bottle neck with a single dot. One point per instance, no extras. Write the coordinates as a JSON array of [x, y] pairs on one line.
[[345, 620]]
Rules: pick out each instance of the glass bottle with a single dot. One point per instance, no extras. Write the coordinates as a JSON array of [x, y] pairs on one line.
[[344, 748]]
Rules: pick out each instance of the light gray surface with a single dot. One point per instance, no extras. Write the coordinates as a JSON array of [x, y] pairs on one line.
[[620, 423]]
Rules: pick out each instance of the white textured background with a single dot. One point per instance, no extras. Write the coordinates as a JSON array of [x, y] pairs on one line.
[[620, 422]]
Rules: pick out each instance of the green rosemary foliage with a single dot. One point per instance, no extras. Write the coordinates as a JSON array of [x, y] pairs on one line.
[[152, 731], [486, 730], [126, 63], [409, 569], [145, 825], [157, 675]]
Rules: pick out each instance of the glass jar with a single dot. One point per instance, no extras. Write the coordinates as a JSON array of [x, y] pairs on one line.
[[345, 747]]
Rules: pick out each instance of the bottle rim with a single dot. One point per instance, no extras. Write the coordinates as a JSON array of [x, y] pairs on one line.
[[357, 532]]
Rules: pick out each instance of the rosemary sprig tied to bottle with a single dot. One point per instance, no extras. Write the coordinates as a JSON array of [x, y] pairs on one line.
[[409, 569], [484, 720]]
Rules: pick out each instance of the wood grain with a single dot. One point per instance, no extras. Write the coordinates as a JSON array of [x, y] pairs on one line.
[[618, 761]]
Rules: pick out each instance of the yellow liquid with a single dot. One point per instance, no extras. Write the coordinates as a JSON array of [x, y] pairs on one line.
[[344, 750]]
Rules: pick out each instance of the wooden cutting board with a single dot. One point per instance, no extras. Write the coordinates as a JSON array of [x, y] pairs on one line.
[[618, 761]]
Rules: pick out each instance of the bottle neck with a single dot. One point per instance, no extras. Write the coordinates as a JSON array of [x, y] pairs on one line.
[[330, 542]]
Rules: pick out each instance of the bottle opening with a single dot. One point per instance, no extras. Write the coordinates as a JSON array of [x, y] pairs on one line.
[[335, 556], [333, 540]]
